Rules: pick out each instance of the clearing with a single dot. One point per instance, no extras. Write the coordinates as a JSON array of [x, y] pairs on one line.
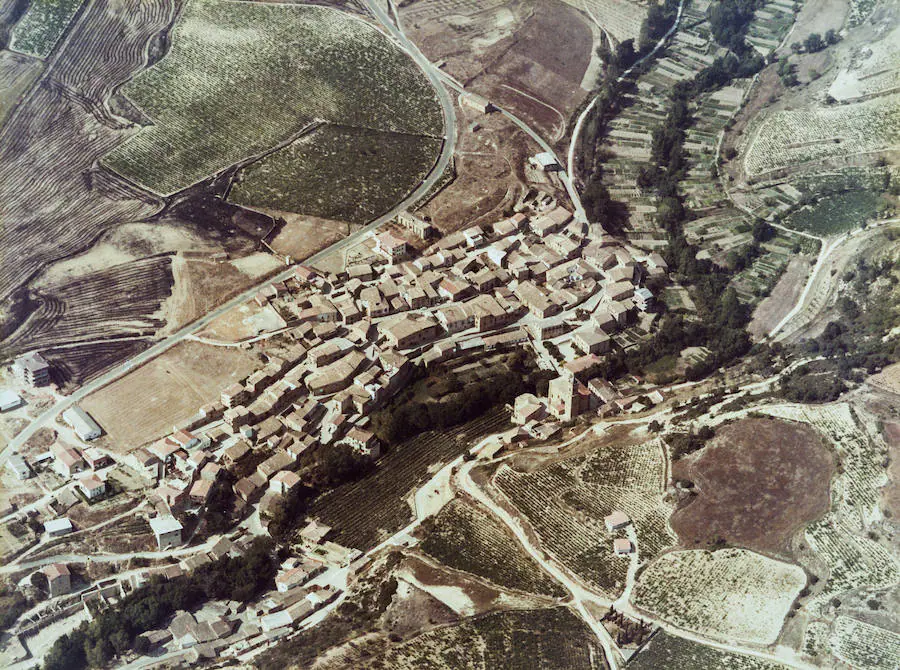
[[781, 300], [146, 403], [757, 484], [258, 74]]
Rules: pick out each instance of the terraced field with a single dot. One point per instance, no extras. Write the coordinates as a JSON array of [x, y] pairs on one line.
[[257, 74], [567, 501], [338, 172], [668, 651], [468, 539], [38, 31]]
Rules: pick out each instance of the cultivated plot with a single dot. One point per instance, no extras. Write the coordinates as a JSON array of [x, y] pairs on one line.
[[731, 594], [241, 77]]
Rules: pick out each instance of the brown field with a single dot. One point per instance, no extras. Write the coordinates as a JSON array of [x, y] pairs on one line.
[[510, 52], [490, 174], [17, 72], [890, 494], [145, 404], [759, 482], [888, 379], [302, 236], [781, 300]]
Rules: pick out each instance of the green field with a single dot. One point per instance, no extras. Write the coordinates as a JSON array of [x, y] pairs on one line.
[[38, 31], [468, 539], [338, 172], [242, 77], [834, 214]]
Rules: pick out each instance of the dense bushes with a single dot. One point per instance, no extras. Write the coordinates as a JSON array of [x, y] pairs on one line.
[[113, 632]]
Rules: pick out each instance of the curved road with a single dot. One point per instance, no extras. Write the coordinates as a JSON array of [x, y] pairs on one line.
[[440, 166]]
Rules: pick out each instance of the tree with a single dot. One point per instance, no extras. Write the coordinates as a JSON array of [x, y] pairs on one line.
[[814, 43], [832, 37]]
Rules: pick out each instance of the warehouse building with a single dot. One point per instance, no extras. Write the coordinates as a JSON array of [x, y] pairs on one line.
[[82, 423]]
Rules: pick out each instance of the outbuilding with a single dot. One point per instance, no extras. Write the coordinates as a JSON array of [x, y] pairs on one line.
[[9, 400], [82, 423]]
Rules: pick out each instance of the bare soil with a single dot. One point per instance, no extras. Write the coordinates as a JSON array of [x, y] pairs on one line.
[[145, 404], [302, 236], [781, 300], [817, 16], [890, 494], [757, 484]]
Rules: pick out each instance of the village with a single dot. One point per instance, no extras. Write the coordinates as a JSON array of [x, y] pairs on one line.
[[539, 279]]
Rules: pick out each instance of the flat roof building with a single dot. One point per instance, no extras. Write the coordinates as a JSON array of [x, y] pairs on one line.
[[167, 530], [33, 369], [9, 400]]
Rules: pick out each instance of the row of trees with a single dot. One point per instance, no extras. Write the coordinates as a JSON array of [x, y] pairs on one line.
[[115, 631]]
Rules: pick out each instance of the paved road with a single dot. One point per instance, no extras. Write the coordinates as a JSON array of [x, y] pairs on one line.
[[440, 166]]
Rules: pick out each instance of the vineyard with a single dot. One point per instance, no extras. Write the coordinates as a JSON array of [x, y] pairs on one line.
[[75, 366], [731, 594], [257, 74], [668, 651], [119, 301], [788, 138], [38, 31], [567, 502], [864, 646], [347, 174], [368, 510], [517, 640], [466, 538], [839, 538]]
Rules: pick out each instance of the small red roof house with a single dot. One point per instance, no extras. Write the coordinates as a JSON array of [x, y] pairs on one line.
[[210, 472], [58, 579], [305, 274], [92, 486]]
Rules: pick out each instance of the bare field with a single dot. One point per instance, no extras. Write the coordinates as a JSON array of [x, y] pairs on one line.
[[759, 483], [781, 300], [302, 236], [145, 404], [17, 72]]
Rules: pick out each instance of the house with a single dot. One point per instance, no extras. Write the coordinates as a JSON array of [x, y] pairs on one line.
[[527, 408], [184, 439], [92, 486], [211, 472], [485, 312], [82, 423], [409, 330], [59, 579], [58, 527], [281, 460], [96, 459], [615, 520], [535, 300], [32, 369], [619, 291], [200, 491], [245, 488], [364, 442], [547, 329], [285, 581], [9, 400], [643, 299], [622, 546], [235, 452], [314, 532], [591, 341], [167, 530], [454, 289], [454, 318], [18, 467], [474, 237], [568, 398], [283, 481], [550, 222], [417, 225], [391, 247], [68, 460], [583, 367]]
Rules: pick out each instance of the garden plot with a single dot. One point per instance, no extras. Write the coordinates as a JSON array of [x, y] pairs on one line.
[[864, 646], [854, 560], [466, 538], [257, 74], [731, 594], [338, 172], [38, 31], [567, 501], [835, 214], [788, 138]]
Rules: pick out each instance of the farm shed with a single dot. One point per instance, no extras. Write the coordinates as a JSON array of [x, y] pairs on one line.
[[615, 520], [622, 546], [545, 161], [9, 400], [82, 423]]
